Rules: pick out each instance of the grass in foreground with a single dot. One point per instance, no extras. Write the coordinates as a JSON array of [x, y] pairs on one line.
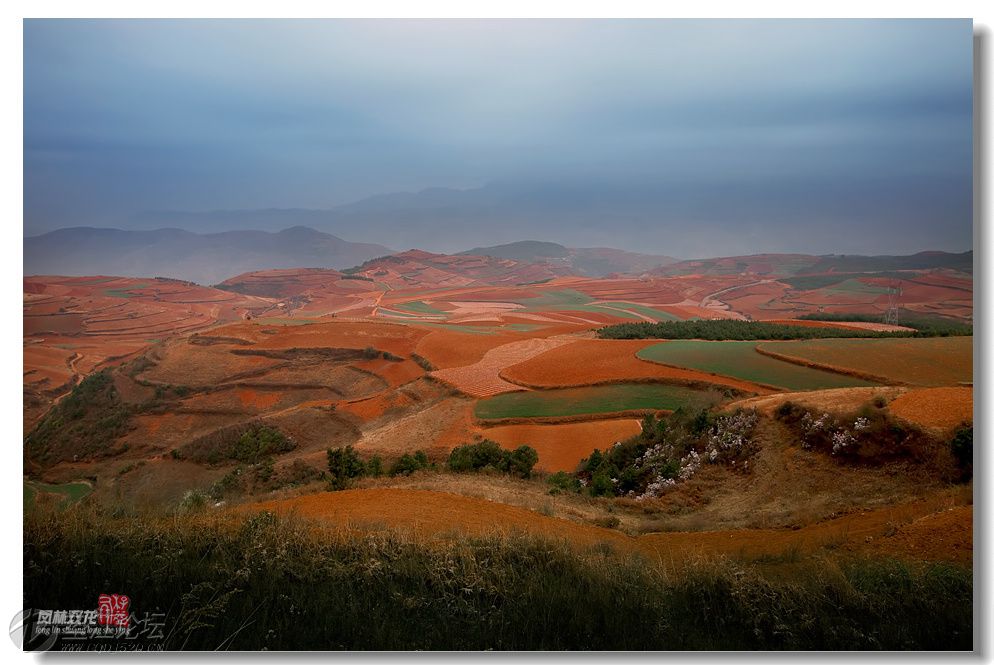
[[259, 582]]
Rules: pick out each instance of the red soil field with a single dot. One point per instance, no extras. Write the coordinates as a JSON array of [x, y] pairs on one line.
[[942, 536], [448, 348], [591, 361], [482, 378], [940, 409], [376, 406], [438, 515], [395, 373], [257, 399], [560, 447], [93, 321]]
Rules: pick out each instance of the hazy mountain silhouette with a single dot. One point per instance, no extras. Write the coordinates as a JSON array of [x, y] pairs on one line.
[[204, 258]]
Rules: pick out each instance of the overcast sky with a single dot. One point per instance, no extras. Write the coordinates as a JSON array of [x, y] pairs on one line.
[[127, 116]]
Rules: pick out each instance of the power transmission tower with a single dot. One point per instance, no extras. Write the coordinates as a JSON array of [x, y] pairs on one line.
[[891, 316]]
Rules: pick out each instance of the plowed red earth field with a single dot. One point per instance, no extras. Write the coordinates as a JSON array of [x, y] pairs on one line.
[[592, 361], [939, 409], [482, 378], [560, 447], [446, 348], [432, 514]]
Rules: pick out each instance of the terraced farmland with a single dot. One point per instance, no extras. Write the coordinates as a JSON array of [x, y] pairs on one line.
[[590, 400], [932, 361], [742, 361], [483, 378]]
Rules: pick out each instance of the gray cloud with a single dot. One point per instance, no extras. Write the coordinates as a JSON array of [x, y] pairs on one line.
[[818, 122]]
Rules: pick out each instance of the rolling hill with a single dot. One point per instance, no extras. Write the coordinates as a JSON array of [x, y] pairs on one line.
[[586, 261]]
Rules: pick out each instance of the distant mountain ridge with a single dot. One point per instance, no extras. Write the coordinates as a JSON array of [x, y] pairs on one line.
[[202, 258], [214, 257], [586, 261], [774, 265], [640, 215]]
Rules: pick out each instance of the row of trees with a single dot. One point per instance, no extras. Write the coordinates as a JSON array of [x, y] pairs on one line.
[[345, 465], [732, 329]]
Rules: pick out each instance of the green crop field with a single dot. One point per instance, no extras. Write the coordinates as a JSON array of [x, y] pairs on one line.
[[588, 400], [574, 301], [480, 330], [596, 309], [564, 299], [854, 286], [655, 314], [742, 361], [418, 307], [69, 493]]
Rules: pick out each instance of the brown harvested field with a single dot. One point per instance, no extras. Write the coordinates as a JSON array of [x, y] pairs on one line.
[[834, 400], [932, 361], [393, 338], [482, 378], [857, 325], [937, 409], [185, 364], [593, 361], [165, 431], [433, 515], [435, 427], [560, 447]]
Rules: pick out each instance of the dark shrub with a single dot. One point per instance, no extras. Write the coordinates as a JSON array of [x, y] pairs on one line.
[[258, 443], [962, 449], [488, 454], [522, 460], [788, 412], [408, 464], [561, 481], [374, 467], [477, 456], [601, 484], [343, 465]]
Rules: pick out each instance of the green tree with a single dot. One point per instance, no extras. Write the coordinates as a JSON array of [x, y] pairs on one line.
[[344, 464]]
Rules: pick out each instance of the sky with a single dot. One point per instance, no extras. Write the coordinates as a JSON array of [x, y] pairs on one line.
[[856, 135]]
